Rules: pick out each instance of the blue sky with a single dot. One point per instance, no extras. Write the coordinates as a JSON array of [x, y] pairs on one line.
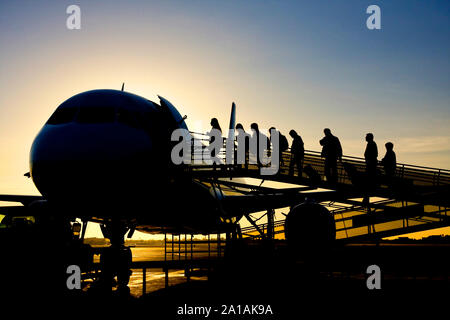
[[302, 65], [293, 64]]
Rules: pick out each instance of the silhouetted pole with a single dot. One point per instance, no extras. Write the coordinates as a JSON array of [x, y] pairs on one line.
[[144, 280], [270, 218]]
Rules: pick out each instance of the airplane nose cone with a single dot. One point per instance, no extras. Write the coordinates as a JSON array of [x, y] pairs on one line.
[[84, 159]]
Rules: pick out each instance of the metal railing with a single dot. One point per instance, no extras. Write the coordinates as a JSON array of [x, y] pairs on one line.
[[181, 247], [399, 225], [417, 175]]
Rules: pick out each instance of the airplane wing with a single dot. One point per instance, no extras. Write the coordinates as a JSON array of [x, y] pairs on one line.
[[242, 198], [259, 202], [23, 199]]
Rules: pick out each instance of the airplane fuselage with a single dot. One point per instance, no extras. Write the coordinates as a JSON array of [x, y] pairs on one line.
[[106, 153]]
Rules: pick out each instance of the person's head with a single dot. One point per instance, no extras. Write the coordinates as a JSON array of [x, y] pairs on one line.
[[271, 128], [293, 133], [254, 126], [369, 137], [239, 127], [389, 146], [327, 132], [215, 123]]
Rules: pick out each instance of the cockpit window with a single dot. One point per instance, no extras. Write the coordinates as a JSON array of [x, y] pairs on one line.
[[96, 115], [128, 118], [62, 115]]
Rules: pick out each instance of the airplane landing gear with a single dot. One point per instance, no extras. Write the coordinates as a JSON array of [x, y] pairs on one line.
[[116, 259]]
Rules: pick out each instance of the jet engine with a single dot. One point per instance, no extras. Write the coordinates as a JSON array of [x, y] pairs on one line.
[[310, 226]]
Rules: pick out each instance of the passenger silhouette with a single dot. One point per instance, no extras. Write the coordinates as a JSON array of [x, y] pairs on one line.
[[389, 161], [297, 153], [283, 144], [331, 151], [215, 124], [371, 155], [242, 137], [258, 136], [215, 129]]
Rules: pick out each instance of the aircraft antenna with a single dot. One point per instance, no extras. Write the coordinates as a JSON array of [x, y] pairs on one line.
[[123, 85]]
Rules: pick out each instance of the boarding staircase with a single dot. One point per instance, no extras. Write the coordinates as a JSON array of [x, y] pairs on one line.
[[417, 198]]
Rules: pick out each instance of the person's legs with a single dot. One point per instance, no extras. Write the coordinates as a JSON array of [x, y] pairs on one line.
[[371, 171], [326, 170], [291, 165], [298, 162], [332, 171]]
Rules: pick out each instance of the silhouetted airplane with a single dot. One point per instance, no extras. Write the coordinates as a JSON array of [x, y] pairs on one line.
[[104, 156]]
